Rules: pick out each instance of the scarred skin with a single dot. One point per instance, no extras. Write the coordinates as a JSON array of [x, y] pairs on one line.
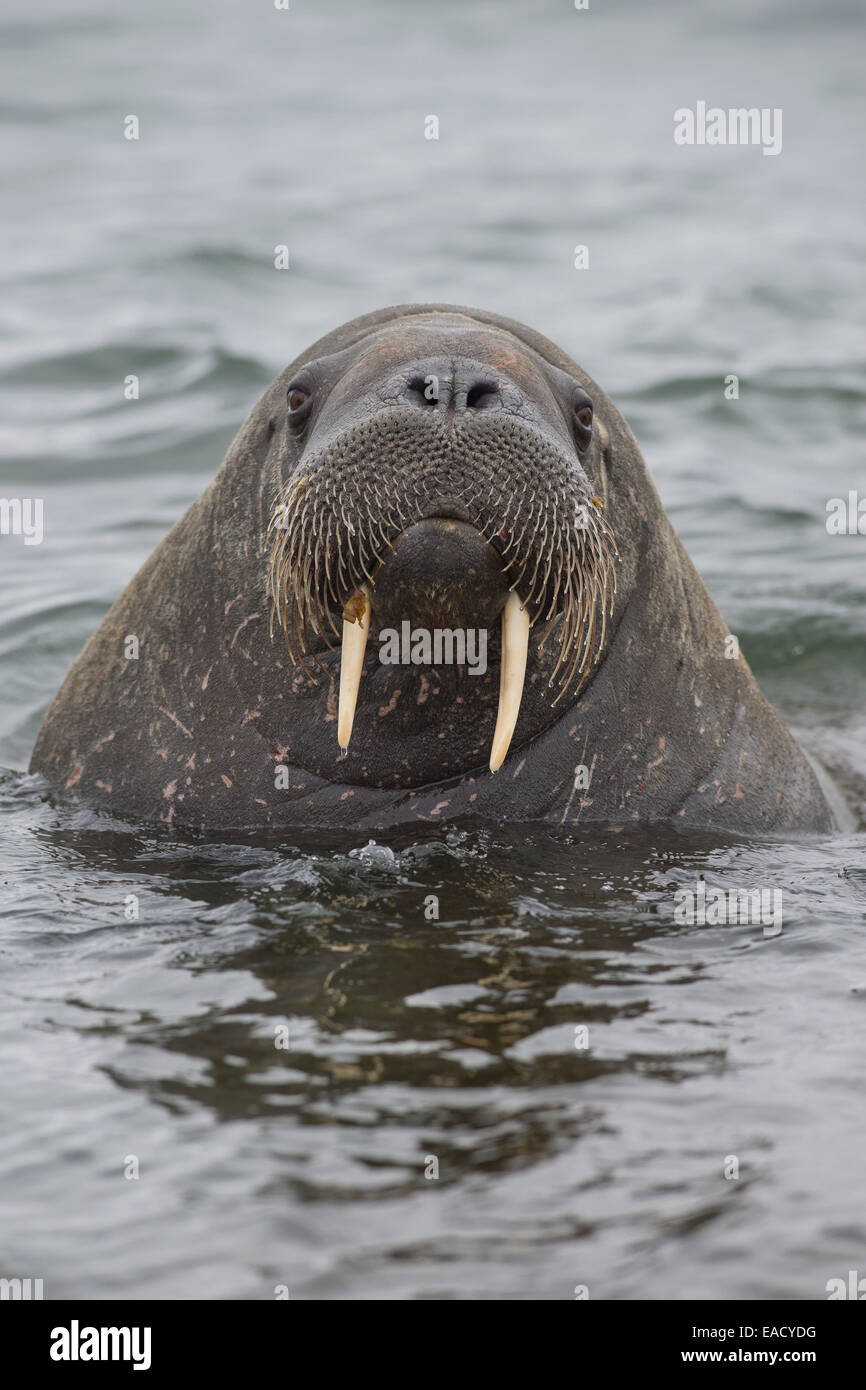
[[195, 731]]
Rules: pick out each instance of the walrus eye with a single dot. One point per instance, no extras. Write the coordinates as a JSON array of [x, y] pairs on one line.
[[297, 398], [583, 419]]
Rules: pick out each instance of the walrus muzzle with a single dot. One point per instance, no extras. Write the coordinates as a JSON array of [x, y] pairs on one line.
[[397, 500]]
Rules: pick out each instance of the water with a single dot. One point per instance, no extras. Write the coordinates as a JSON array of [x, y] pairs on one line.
[[412, 1037]]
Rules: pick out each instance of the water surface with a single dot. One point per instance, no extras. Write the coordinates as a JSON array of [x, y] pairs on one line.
[[414, 1038]]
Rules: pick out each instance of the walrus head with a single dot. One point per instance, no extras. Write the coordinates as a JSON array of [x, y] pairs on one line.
[[439, 469], [437, 481]]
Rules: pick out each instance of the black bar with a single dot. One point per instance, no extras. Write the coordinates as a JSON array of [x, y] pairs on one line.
[[277, 1337]]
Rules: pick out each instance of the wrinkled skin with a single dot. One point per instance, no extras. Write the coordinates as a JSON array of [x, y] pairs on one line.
[[194, 731]]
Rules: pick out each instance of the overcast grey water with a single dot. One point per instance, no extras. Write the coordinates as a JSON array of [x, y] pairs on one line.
[[153, 1038]]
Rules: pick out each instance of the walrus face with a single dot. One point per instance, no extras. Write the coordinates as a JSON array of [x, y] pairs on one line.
[[439, 479]]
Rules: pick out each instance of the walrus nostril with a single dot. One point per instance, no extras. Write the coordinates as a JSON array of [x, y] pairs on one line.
[[423, 389], [481, 394]]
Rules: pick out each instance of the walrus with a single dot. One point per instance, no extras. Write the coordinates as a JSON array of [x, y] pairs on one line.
[[425, 473]]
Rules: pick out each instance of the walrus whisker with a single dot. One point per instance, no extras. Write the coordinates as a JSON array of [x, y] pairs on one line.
[[540, 551], [333, 528], [550, 624]]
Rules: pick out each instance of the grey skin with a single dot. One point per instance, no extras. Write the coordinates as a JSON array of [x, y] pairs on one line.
[[214, 726]]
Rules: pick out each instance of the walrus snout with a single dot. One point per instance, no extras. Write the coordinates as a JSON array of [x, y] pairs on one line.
[[453, 388], [442, 492], [440, 573]]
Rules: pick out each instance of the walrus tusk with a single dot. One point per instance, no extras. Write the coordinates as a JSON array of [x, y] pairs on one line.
[[356, 625], [512, 670]]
